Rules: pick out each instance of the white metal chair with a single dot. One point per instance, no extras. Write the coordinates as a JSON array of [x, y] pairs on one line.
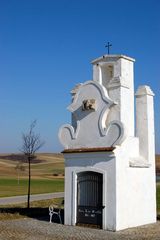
[[54, 211]]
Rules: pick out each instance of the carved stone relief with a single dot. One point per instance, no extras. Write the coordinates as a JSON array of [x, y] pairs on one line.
[[88, 104]]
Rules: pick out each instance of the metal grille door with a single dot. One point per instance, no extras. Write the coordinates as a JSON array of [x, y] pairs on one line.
[[89, 198]]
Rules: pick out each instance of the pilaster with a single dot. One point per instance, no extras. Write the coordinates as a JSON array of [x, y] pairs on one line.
[[145, 122]]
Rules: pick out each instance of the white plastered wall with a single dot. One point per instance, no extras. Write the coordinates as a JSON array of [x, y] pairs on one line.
[[120, 87], [135, 192], [103, 163], [129, 189]]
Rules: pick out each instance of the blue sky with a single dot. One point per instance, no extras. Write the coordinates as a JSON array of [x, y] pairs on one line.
[[46, 47]]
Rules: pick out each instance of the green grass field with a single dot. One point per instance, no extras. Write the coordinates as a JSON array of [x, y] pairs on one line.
[[158, 198], [10, 187], [46, 176]]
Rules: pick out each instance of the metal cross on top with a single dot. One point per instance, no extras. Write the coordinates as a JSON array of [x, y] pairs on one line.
[[108, 46]]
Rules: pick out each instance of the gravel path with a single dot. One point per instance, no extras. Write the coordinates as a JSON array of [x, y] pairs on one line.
[[31, 229], [34, 197]]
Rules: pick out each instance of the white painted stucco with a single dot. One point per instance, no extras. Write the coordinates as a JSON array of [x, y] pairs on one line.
[[119, 85], [129, 189], [91, 124]]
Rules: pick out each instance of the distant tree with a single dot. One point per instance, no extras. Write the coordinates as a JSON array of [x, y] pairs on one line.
[[31, 143], [19, 168]]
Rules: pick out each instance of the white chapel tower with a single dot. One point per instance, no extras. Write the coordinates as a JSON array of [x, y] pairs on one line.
[[110, 158]]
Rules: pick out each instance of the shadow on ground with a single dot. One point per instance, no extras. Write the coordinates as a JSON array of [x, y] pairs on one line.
[[35, 213], [41, 214]]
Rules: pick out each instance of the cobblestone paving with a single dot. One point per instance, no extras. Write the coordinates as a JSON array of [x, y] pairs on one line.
[[30, 229]]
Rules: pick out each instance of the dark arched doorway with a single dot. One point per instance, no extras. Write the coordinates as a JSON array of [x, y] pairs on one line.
[[89, 198]]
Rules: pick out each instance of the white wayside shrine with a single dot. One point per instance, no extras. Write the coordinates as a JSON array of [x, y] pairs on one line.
[[110, 165]]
